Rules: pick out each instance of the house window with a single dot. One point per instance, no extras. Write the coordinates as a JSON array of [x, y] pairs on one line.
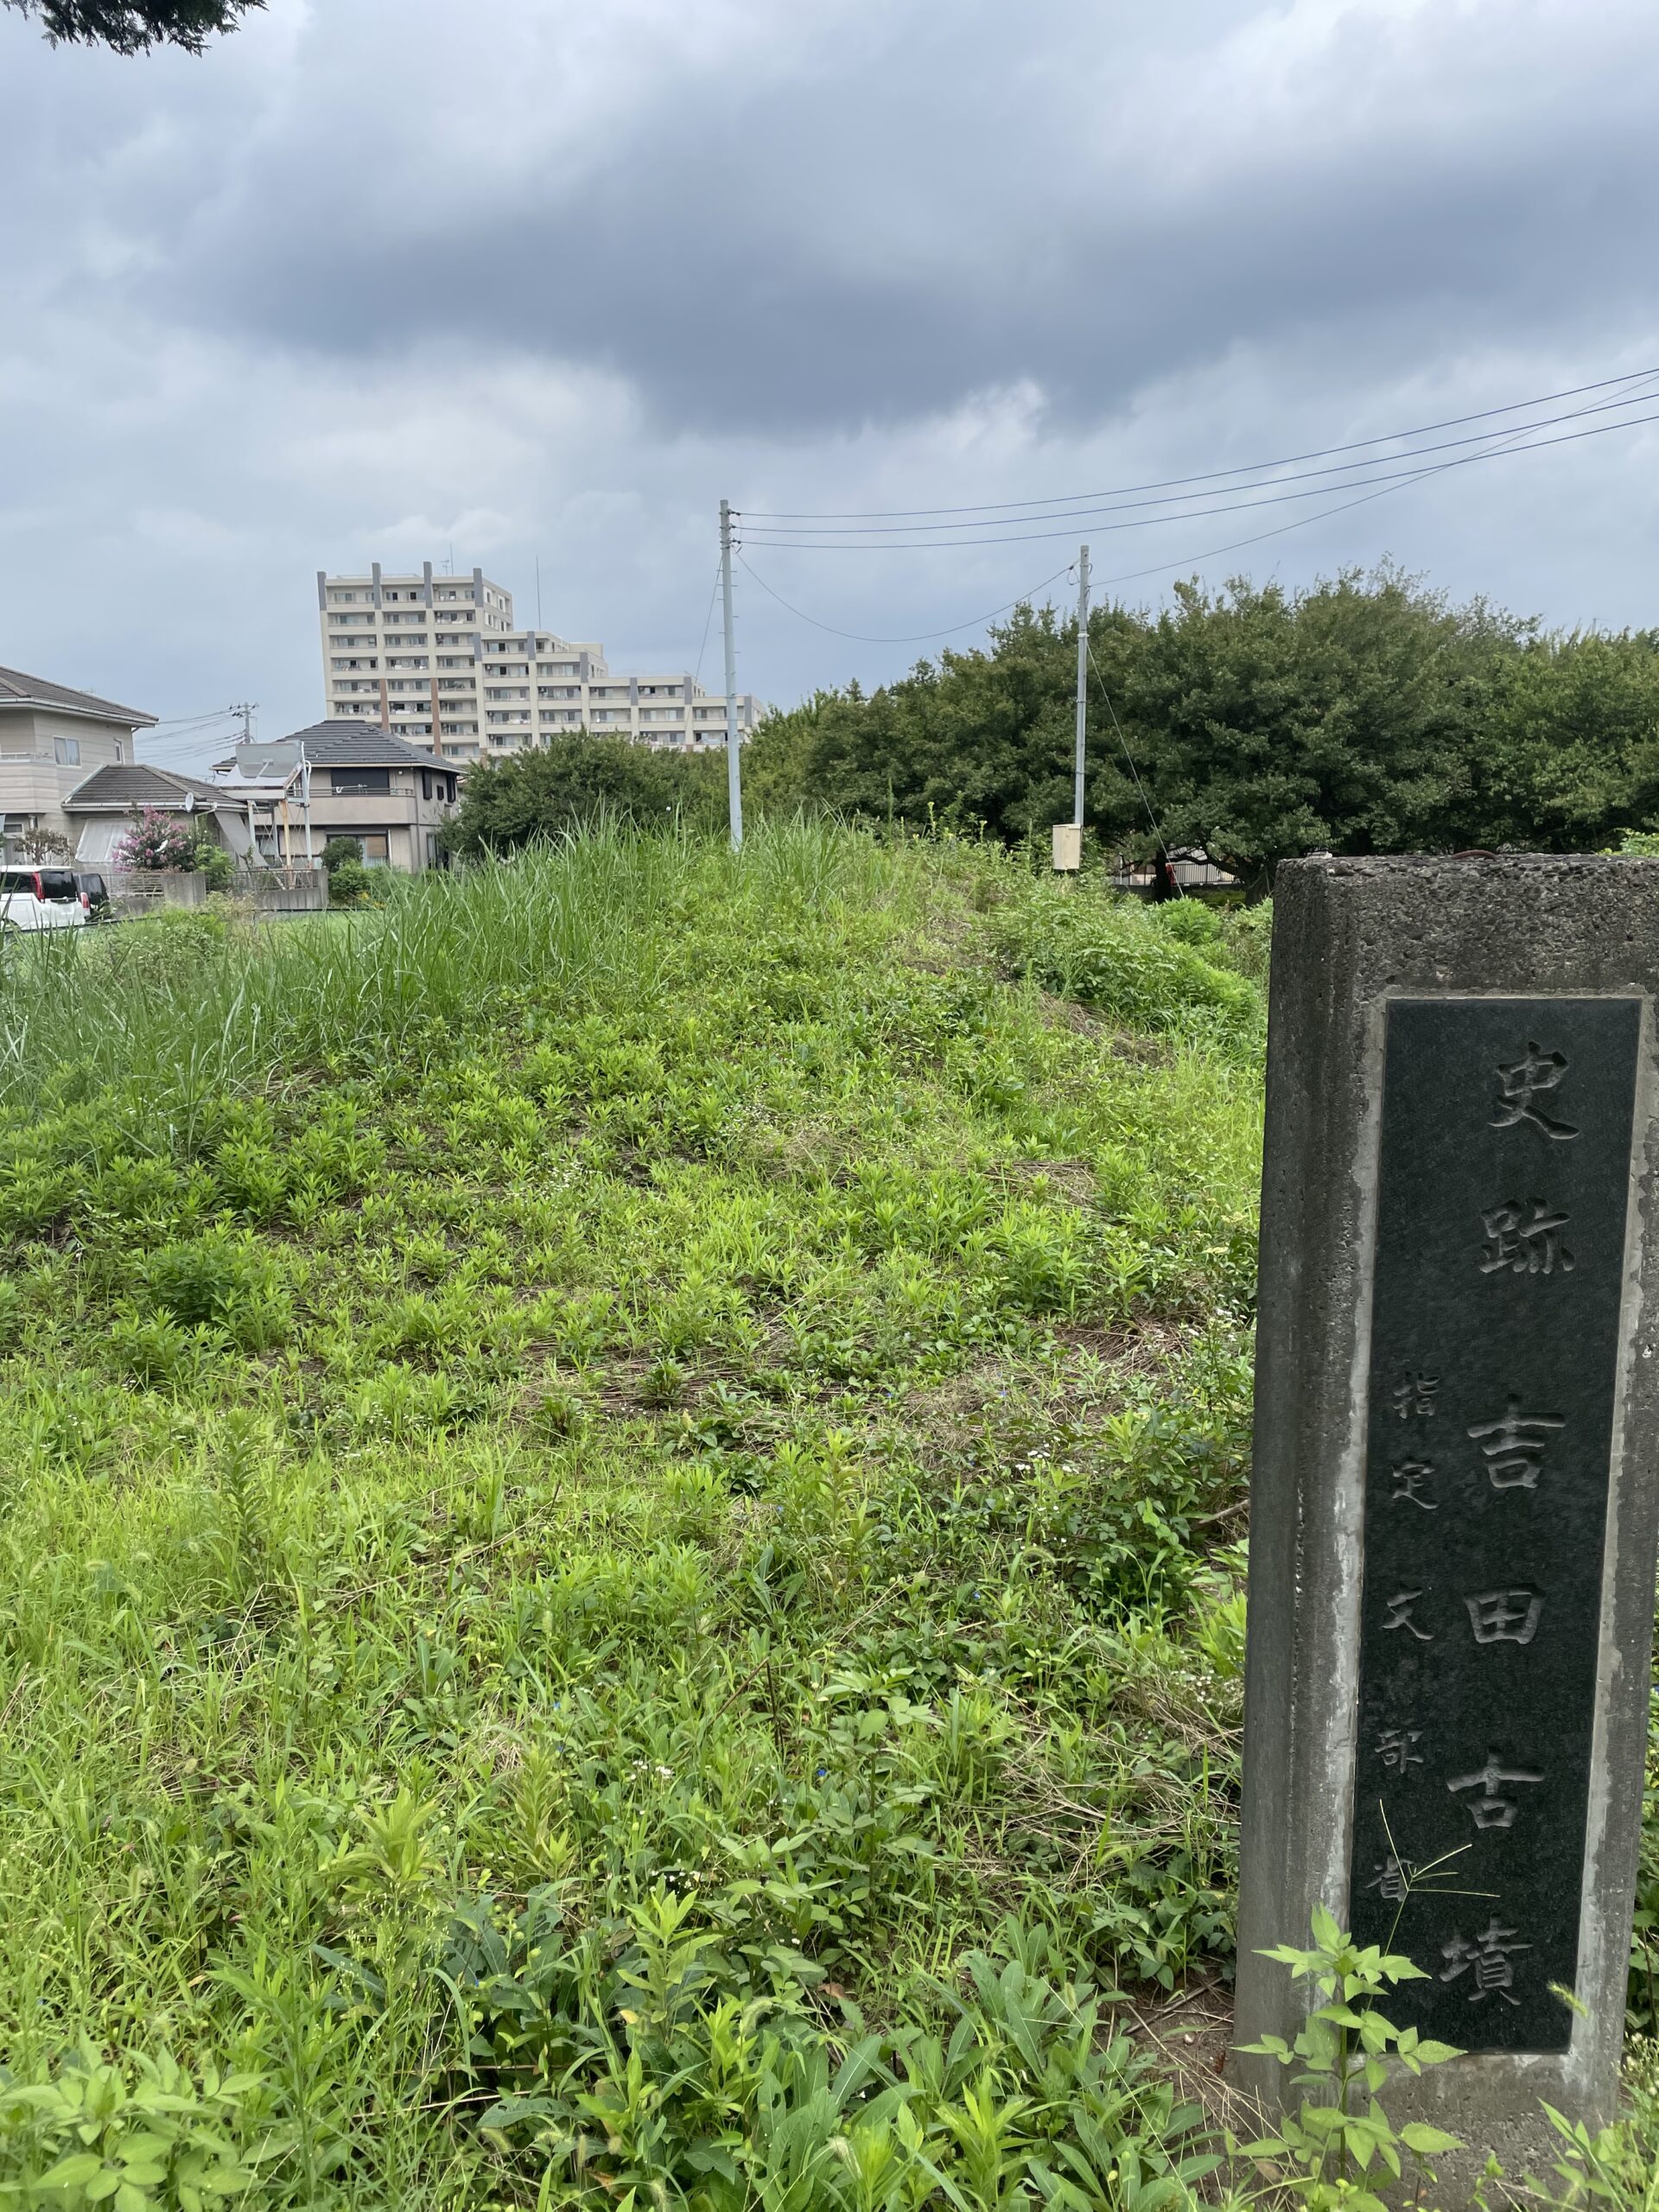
[[373, 848], [360, 783], [67, 750]]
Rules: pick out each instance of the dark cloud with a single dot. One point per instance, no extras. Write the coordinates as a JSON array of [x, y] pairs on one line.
[[899, 218], [548, 279]]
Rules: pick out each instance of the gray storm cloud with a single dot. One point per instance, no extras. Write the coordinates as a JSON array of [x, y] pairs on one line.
[[558, 277]]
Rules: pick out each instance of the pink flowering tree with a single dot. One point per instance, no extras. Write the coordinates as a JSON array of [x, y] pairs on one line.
[[156, 841]]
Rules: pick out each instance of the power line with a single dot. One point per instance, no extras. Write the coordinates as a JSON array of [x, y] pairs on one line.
[[1411, 476], [1167, 483], [191, 721], [916, 637], [1186, 560], [708, 622], [1157, 827], [1351, 469]]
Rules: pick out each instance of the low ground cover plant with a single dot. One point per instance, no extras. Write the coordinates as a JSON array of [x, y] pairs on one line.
[[620, 1569]]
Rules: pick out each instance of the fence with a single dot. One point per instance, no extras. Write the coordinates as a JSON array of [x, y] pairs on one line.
[[287, 891], [134, 891]]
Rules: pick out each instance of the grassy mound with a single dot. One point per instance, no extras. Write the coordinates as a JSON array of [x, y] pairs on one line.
[[620, 1575]]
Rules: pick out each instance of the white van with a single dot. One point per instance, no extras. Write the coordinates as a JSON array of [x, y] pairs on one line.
[[40, 898]]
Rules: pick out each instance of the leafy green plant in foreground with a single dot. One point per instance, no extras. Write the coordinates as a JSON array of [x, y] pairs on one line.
[[1339, 2136], [155, 2136], [649, 2066]]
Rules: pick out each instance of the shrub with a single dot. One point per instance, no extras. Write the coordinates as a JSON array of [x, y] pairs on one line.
[[156, 843], [341, 852], [1111, 954], [215, 863], [349, 881], [1189, 921], [578, 780]]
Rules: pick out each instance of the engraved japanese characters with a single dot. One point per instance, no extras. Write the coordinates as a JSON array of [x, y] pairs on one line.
[[1504, 1177]]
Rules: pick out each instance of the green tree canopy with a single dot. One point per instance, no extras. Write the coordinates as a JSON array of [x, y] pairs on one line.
[[136, 26], [543, 793], [1365, 714]]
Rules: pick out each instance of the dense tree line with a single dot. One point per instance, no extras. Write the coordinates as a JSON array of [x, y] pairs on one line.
[[576, 778], [1365, 714]]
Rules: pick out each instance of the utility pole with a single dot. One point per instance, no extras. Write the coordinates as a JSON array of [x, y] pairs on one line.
[[1082, 680], [733, 770], [305, 800]]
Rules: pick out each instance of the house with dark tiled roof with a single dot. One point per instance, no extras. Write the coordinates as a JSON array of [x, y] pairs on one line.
[[102, 808], [389, 798], [51, 739]]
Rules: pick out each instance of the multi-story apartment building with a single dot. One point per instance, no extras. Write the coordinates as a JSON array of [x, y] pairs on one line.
[[437, 660]]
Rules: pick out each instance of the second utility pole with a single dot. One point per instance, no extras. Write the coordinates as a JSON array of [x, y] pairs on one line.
[[1082, 680], [734, 769]]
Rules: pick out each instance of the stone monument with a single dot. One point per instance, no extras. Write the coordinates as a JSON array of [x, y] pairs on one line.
[[1456, 1488]]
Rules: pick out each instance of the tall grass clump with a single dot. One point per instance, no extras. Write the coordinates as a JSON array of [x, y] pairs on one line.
[[153, 1022], [1159, 970]]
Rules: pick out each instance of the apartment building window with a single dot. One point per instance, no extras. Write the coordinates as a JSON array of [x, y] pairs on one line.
[[407, 660], [67, 750], [506, 690], [360, 783]]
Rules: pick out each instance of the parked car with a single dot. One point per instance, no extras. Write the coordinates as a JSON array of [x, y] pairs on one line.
[[94, 895], [40, 898]]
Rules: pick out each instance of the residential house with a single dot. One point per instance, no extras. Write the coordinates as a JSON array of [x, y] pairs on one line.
[[389, 798], [103, 806], [50, 738]]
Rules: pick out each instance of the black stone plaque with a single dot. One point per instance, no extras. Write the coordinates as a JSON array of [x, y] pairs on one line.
[[1503, 1185]]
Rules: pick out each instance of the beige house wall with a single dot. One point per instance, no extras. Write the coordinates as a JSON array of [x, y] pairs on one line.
[[403, 816], [44, 755]]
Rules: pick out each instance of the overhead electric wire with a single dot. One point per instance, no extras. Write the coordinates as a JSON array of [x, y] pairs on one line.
[[1351, 469], [708, 622], [917, 637], [1186, 560], [1166, 483], [1039, 537], [1157, 827]]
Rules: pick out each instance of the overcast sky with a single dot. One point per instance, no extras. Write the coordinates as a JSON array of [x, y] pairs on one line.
[[375, 279]]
